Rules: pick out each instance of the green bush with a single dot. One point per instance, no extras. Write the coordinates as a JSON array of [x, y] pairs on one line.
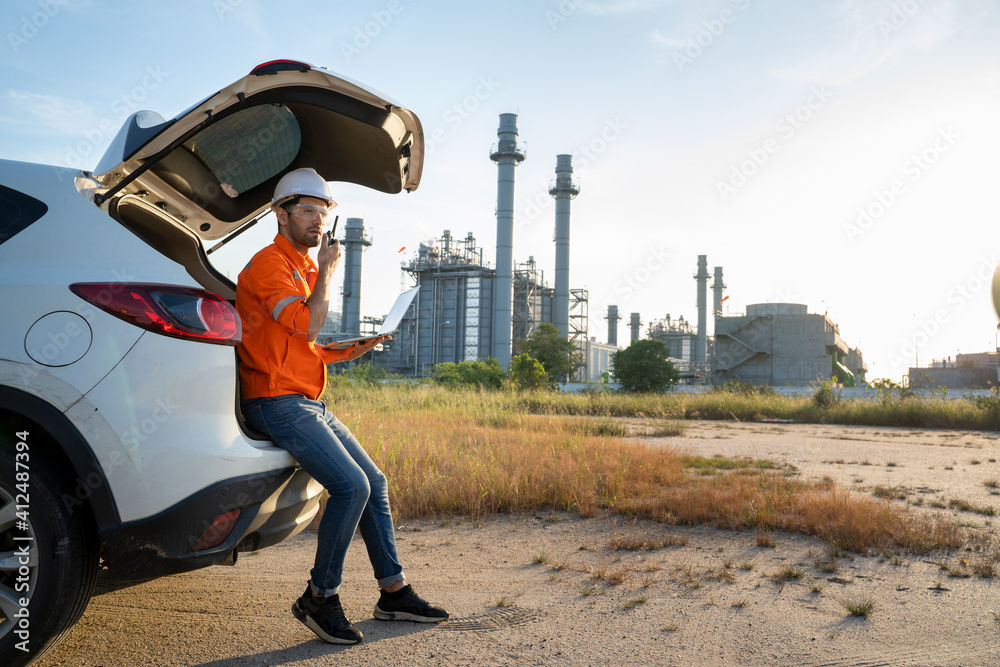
[[886, 390], [825, 397], [366, 373], [528, 373], [486, 374], [557, 355], [644, 366]]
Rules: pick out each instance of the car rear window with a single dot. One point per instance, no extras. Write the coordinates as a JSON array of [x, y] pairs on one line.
[[249, 147], [17, 211]]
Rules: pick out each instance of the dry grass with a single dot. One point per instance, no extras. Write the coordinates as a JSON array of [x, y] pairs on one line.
[[632, 603], [641, 542], [861, 608], [474, 454], [786, 573]]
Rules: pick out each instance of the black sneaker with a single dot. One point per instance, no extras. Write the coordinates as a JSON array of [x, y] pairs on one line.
[[406, 605], [325, 617]]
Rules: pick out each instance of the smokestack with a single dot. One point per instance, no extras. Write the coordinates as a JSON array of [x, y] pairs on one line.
[[612, 319], [354, 244], [717, 288], [563, 190], [636, 325], [507, 156], [701, 343]]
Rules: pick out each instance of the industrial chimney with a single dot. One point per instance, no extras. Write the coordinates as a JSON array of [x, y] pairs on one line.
[[354, 244], [507, 156], [635, 325], [612, 319], [701, 343], [563, 190], [717, 288]]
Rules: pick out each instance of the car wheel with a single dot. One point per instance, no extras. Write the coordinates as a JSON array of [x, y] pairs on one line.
[[48, 553]]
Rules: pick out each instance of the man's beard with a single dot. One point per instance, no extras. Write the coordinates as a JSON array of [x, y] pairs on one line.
[[306, 240]]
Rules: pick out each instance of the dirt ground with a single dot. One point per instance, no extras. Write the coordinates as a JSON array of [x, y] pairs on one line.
[[548, 589]]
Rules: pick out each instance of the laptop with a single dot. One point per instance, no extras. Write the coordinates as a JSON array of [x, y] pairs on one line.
[[390, 325]]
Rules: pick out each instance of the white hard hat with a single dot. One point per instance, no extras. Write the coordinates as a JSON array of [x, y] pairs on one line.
[[304, 182]]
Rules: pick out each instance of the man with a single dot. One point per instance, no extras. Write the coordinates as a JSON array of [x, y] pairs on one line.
[[282, 297]]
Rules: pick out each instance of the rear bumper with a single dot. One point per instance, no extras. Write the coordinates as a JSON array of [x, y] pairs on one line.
[[273, 507]]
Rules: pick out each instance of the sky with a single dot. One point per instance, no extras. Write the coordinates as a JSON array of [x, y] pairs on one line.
[[841, 154]]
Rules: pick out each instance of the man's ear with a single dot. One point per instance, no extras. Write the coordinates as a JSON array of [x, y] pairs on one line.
[[281, 214]]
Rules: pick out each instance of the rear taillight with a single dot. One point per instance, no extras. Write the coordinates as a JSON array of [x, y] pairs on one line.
[[171, 310]]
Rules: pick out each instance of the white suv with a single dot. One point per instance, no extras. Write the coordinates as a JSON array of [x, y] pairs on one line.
[[122, 450]]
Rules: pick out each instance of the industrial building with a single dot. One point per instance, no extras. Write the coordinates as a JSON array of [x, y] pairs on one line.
[[782, 344], [598, 361], [678, 336], [467, 309], [966, 371], [451, 318]]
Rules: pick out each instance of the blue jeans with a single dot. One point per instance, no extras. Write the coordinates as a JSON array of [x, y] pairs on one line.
[[359, 493]]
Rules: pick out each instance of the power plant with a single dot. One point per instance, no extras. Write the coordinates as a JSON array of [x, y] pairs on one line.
[[467, 310], [783, 344]]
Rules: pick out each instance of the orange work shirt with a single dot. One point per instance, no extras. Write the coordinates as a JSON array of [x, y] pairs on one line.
[[276, 356]]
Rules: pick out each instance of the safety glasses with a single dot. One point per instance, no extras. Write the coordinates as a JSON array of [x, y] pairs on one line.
[[311, 212]]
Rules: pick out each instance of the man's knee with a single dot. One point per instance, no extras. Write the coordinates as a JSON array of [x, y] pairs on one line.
[[355, 491]]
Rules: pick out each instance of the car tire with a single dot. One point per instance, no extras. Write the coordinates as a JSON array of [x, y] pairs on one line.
[[59, 577]]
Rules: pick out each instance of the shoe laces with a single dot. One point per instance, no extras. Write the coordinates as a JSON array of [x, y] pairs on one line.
[[331, 610]]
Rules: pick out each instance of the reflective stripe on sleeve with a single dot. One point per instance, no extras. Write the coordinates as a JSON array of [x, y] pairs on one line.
[[280, 306]]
